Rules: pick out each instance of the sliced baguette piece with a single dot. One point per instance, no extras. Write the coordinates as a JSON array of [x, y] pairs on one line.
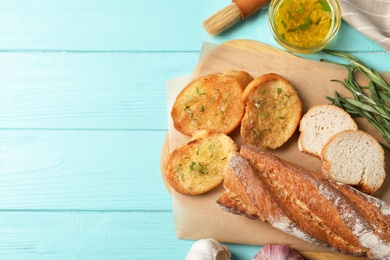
[[317, 208], [211, 102], [199, 165], [246, 195], [273, 110], [319, 124], [355, 158]]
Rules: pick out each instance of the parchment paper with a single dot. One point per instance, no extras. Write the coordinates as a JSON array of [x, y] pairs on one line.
[[199, 217]]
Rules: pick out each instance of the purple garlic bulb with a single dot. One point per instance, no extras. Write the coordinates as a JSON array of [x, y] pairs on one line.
[[277, 252]]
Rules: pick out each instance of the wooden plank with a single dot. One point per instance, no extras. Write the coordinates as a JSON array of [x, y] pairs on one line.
[[124, 25], [86, 235], [82, 170], [83, 119], [96, 90], [96, 235], [88, 91]]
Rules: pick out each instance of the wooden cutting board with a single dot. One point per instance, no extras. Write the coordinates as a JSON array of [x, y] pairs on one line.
[[291, 66]]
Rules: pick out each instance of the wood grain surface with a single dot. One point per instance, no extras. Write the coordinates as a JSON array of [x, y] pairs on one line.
[[83, 119]]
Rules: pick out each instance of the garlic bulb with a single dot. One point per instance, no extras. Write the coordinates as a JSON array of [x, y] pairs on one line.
[[208, 249], [277, 252]]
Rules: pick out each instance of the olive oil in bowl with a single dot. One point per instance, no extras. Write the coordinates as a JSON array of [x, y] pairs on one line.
[[304, 26]]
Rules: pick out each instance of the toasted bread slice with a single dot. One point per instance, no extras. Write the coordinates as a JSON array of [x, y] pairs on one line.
[[273, 110], [319, 124], [211, 102], [198, 166], [355, 158]]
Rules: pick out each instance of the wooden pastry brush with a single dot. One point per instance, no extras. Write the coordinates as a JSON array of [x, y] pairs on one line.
[[232, 13]]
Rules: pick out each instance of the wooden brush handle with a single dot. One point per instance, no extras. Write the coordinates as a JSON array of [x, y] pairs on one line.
[[249, 7], [311, 255]]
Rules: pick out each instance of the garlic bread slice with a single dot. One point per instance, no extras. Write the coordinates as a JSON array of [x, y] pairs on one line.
[[199, 165], [212, 102], [273, 110]]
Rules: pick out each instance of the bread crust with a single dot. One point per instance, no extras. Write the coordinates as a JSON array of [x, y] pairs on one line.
[[244, 180], [311, 202], [211, 102], [234, 199], [375, 211], [273, 110], [199, 165], [247, 195]]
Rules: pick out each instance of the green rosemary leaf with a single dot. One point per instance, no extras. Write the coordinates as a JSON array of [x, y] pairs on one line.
[[370, 102], [384, 97], [374, 93]]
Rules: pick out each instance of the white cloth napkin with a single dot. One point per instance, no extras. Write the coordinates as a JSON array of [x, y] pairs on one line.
[[369, 17]]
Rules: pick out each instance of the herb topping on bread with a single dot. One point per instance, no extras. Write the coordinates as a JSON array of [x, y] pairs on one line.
[[273, 110], [212, 102], [198, 166]]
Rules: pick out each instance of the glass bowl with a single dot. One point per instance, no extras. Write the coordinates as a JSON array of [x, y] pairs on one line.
[[304, 26]]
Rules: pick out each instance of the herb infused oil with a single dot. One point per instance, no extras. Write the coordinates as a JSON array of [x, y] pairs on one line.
[[303, 23]]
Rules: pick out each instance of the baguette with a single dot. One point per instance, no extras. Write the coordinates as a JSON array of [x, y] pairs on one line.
[[375, 211], [308, 201], [234, 199], [211, 102], [240, 180], [315, 204], [273, 110]]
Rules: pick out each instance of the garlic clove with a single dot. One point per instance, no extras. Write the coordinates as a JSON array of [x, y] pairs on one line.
[[277, 252], [208, 249]]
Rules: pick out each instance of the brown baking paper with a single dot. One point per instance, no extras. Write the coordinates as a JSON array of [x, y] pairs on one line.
[[199, 217]]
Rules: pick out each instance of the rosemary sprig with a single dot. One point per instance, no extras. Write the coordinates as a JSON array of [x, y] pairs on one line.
[[371, 73], [370, 102]]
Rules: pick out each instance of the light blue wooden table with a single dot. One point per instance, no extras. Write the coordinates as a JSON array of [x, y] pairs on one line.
[[83, 120]]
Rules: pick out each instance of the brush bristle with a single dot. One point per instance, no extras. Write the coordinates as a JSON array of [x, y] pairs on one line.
[[222, 20]]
